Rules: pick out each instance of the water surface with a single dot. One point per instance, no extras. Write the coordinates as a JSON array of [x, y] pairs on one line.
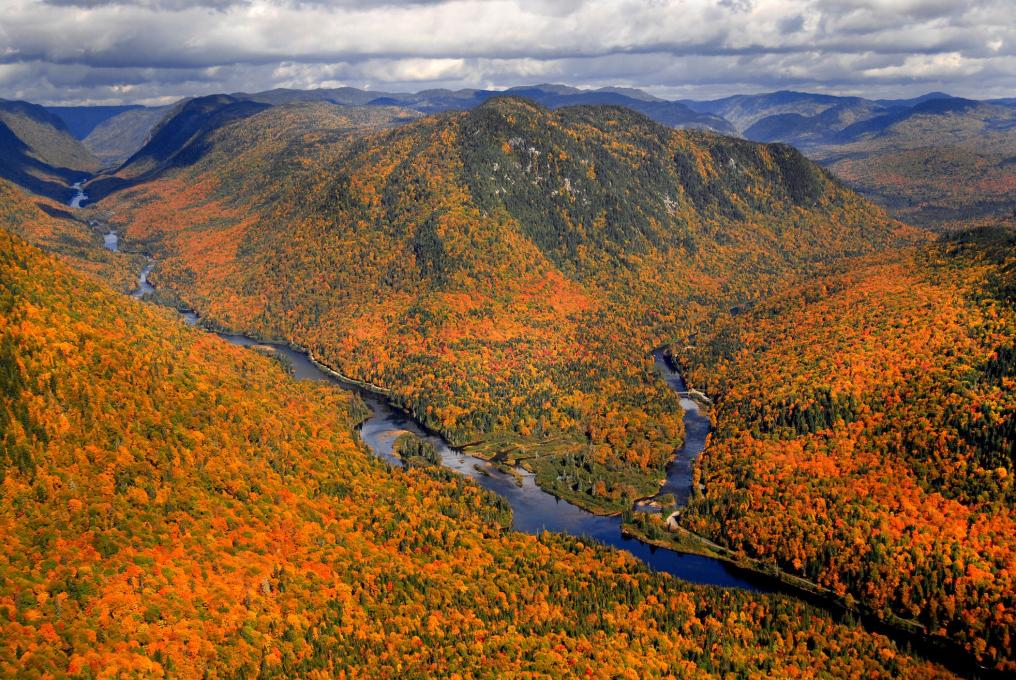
[[533, 509], [79, 197]]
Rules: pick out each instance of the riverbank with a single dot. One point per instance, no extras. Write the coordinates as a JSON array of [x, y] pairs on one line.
[[535, 510], [935, 647]]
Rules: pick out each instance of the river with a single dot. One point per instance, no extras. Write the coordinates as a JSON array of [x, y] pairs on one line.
[[110, 239], [79, 197], [534, 510]]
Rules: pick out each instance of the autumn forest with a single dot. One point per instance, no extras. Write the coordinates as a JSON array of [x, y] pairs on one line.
[[242, 356]]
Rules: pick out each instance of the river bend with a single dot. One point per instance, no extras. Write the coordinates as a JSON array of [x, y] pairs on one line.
[[534, 510]]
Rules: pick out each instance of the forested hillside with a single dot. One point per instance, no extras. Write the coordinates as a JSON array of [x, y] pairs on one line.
[[866, 435], [37, 151], [46, 136], [945, 165], [51, 226], [504, 272], [116, 139], [175, 506], [936, 161]]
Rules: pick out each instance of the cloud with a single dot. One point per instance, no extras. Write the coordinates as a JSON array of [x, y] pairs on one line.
[[143, 50]]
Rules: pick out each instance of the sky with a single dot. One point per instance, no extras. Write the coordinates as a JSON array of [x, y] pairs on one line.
[[156, 51]]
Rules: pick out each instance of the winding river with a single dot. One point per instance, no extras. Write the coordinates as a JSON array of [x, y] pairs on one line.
[[79, 196], [534, 510]]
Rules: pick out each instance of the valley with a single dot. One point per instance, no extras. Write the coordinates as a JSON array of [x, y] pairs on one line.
[[502, 300], [444, 332], [685, 555], [214, 457]]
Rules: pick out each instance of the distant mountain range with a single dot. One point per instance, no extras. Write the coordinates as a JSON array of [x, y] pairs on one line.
[[47, 149], [112, 134]]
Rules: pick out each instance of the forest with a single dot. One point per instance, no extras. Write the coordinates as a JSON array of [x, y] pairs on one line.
[[866, 435], [176, 506], [508, 339], [504, 272], [49, 225]]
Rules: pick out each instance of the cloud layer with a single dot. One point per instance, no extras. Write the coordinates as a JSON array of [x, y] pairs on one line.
[[150, 51]]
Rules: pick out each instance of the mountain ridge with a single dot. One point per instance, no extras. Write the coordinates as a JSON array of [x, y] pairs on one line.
[[506, 235], [39, 152]]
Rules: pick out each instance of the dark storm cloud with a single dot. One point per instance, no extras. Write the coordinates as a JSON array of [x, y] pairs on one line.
[[153, 50]]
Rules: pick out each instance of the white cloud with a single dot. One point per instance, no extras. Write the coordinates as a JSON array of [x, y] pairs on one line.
[[108, 49]]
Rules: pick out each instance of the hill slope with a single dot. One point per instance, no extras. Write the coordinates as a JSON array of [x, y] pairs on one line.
[[46, 135], [867, 435], [943, 164], [39, 153], [936, 161], [51, 226], [119, 137], [82, 120], [184, 133], [176, 141], [505, 271], [173, 505]]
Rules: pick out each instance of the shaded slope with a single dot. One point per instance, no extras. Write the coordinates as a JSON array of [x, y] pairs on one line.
[[806, 131], [929, 108], [119, 137], [46, 135], [177, 141], [744, 111], [82, 120], [38, 153], [19, 165], [186, 134]]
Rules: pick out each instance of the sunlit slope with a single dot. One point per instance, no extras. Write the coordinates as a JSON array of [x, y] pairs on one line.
[[66, 233], [867, 433], [172, 505], [504, 272]]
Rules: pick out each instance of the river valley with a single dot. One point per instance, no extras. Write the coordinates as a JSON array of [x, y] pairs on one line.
[[535, 510]]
